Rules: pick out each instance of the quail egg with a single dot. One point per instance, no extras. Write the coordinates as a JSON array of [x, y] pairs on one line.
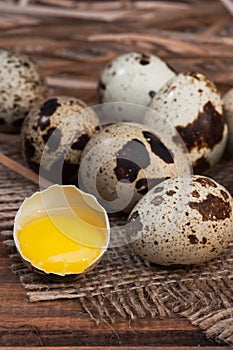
[[134, 78], [21, 88], [53, 136], [122, 161], [228, 109], [192, 104], [186, 220]]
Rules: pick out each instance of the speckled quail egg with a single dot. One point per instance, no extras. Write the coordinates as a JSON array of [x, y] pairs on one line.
[[228, 109], [134, 78], [122, 161], [186, 220], [53, 136], [192, 104], [21, 88]]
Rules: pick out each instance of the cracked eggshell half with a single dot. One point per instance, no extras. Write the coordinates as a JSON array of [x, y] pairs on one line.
[[67, 201], [186, 220], [193, 105]]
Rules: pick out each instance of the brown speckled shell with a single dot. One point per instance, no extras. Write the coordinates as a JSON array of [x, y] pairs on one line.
[[193, 105], [58, 129], [21, 88], [125, 159], [182, 221]]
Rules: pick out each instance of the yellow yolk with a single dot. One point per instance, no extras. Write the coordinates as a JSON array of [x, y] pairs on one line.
[[62, 244]]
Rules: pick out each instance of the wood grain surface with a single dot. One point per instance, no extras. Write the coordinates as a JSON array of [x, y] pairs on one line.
[[72, 41], [63, 323]]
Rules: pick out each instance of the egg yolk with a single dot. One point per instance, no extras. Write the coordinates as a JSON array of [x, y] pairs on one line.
[[62, 244]]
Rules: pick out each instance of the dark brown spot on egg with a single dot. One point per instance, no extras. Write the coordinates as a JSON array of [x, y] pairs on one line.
[[204, 240], [100, 90], [52, 138], [224, 194], [193, 239], [81, 142], [158, 147], [152, 93], [205, 131], [29, 149], [205, 182], [170, 193], [201, 165], [157, 200], [144, 185], [192, 74], [49, 107], [130, 159], [213, 250], [143, 59], [26, 64], [195, 194], [212, 208], [17, 98]]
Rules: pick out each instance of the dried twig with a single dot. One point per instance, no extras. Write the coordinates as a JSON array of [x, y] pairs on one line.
[[47, 11], [71, 83], [21, 170], [172, 44]]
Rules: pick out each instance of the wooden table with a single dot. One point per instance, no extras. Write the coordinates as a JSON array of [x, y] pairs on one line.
[[63, 324]]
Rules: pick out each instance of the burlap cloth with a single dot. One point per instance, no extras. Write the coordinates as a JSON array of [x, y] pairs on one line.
[[124, 284]]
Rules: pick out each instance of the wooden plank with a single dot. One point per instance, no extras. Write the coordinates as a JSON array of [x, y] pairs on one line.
[[64, 323]]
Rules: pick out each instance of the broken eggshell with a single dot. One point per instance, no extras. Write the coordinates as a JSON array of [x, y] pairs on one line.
[[193, 105], [64, 199], [182, 221]]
